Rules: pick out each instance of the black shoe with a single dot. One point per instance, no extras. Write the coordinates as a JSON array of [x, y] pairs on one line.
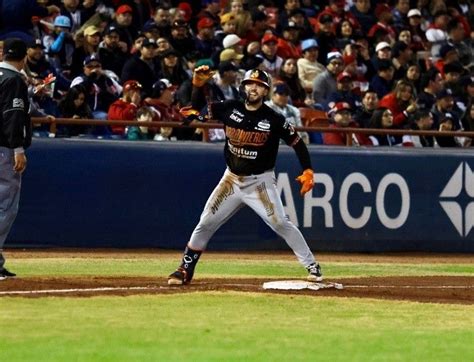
[[4, 274], [179, 277], [315, 274]]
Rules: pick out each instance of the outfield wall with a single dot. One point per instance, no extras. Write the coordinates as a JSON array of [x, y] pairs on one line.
[[87, 193]]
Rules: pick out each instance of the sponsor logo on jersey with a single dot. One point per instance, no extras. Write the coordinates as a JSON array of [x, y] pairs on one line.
[[242, 152], [240, 137], [263, 125]]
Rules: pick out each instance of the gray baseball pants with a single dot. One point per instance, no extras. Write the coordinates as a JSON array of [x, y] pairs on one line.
[[10, 185], [260, 193]]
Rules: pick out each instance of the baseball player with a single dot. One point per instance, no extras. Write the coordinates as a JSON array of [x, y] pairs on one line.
[[253, 132]]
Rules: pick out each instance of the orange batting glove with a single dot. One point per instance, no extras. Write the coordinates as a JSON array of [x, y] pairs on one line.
[[306, 181], [202, 75]]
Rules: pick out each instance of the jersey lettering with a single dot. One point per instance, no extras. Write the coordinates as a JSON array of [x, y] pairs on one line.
[[240, 137], [242, 152]]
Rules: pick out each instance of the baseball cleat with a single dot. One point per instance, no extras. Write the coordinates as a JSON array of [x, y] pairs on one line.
[[315, 274], [4, 274], [178, 277]]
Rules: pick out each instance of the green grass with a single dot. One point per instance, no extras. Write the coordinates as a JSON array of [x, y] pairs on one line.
[[230, 326], [270, 267]]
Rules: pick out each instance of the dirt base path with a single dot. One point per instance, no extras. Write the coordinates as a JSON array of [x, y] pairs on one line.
[[432, 289]]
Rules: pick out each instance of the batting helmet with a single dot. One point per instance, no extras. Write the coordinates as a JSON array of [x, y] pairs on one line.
[[257, 75]]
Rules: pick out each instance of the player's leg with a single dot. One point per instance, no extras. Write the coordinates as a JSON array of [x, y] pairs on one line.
[[222, 204], [10, 185], [266, 202]]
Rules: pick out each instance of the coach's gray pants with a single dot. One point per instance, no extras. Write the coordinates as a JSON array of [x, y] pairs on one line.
[[260, 193], [10, 184]]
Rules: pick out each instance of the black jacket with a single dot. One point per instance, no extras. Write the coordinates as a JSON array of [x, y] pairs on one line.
[[15, 122]]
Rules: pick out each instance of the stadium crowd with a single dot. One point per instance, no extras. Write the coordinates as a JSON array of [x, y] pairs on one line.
[[398, 64]]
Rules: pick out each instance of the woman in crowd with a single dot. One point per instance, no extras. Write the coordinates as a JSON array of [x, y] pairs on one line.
[[401, 102], [289, 75], [382, 118], [89, 44], [73, 105]]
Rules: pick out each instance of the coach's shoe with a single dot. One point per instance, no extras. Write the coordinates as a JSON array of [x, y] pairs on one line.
[[179, 277], [315, 274], [4, 274]]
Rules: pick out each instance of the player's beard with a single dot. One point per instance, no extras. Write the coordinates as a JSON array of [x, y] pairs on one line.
[[253, 99]]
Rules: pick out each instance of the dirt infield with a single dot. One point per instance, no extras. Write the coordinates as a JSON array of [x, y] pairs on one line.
[[446, 289]]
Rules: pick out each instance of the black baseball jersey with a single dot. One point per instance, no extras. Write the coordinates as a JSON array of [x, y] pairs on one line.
[[15, 123], [252, 137]]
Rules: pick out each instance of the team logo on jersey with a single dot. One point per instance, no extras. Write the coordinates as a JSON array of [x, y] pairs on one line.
[[288, 126], [18, 103], [263, 125]]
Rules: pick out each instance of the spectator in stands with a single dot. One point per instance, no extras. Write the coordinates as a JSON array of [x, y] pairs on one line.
[[413, 75], [231, 41], [140, 133], [383, 51], [60, 45], [418, 37], [436, 33], [252, 58], [382, 82], [211, 10], [361, 11], [447, 55], [467, 122], [113, 52], [89, 45], [242, 17], [363, 114], [204, 37], [400, 12], [422, 121], [288, 44], [36, 65], [336, 9], [284, 14], [74, 105], [172, 68], [259, 27], [279, 103], [466, 85], [457, 38], [78, 14], [402, 57], [344, 92], [230, 55], [289, 75], [301, 21], [401, 102], [445, 104], [344, 34], [452, 76], [383, 119], [448, 122], [162, 103], [382, 30], [225, 85], [325, 83], [271, 61], [162, 21], [123, 24], [341, 117], [142, 68], [125, 108], [101, 90], [326, 37], [228, 24], [183, 94], [180, 39], [308, 65], [431, 83]]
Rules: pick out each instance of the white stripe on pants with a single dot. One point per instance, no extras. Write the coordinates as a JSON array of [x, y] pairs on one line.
[[260, 193], [10, 185]]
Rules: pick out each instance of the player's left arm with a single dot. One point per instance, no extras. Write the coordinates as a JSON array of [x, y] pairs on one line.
[[292, 138]]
